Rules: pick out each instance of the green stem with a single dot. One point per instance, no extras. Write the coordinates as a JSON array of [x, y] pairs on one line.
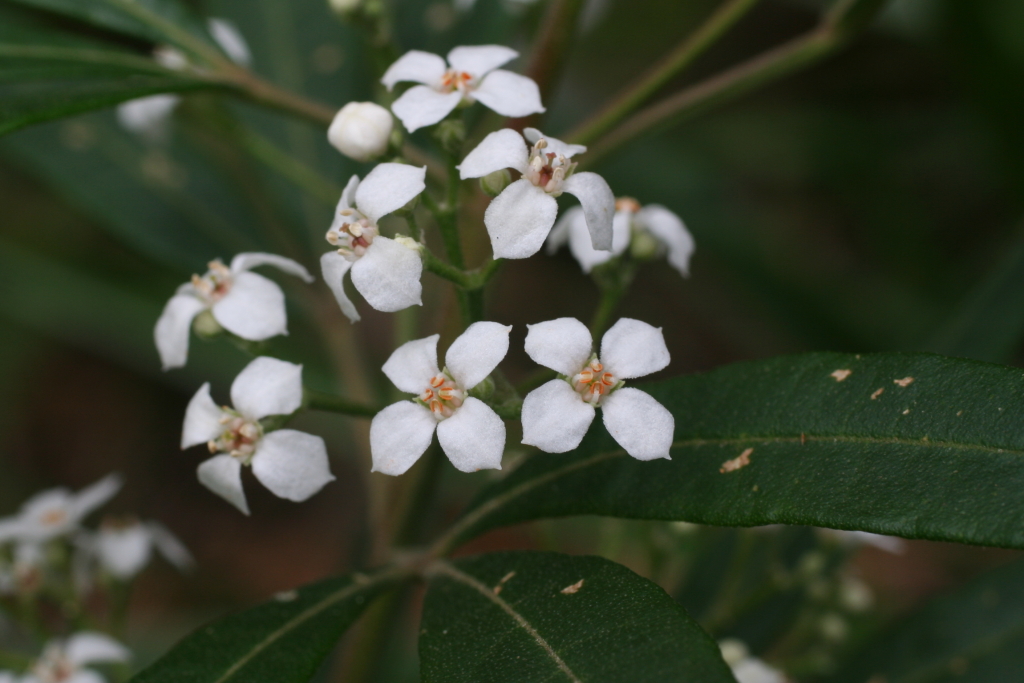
[[610, 298], [836, 29], [415, 231], [670, 66], [319, 400]]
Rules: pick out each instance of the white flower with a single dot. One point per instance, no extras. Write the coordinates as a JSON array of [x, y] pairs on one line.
[[290, 463], [244, 303], [56, 512], [557, 415], [63, 661], [471, 75], [230, 40], [520, 218], [852, 539], [470, 433], [123, 547], [361, 130], [385, 271], [746, 668], [650, 230]]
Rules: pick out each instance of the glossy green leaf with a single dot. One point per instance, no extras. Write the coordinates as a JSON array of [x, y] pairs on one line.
[[975, 635], [284, 640], [47, 73], [532, 616], [912, 445]]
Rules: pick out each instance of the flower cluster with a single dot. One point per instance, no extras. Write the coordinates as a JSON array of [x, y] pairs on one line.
[[66, 660]]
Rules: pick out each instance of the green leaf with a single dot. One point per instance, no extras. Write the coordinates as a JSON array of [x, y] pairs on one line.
[[911, 445], [532, 616], [47, 73], [975, 635], [284, 640]]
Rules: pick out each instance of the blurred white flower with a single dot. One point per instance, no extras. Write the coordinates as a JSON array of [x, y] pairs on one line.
[[519, 219], [122, 548], [469, 431], [244, 303], [56, 512], [746, 668], [649, 231], [558, 414], [292, 464], [853, 539], [361, 130], [385, 271], [64, 661], [230, 40], [25, 573], [470, 75]]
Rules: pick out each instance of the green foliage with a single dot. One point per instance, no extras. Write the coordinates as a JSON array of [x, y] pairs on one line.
[[938, 458], [531, 616]]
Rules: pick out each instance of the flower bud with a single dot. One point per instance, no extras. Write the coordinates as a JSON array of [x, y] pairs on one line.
[[206, 326], [451, 134], [493, 183], [643, 245], [345, 7], [361, 130]]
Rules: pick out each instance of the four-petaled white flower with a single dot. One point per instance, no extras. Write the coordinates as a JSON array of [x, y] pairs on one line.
[[244, 303], [64, 661], [469, 431], [471, 74], [385, 271], [290, 463], [557, 415], [648, 231], [745, 667], [56, 512], [520, 218], [122, 547]]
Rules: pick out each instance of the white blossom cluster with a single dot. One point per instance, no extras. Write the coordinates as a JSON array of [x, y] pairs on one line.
[[68, 660]]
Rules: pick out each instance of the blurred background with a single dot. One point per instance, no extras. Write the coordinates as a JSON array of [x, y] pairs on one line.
[[869, 203]]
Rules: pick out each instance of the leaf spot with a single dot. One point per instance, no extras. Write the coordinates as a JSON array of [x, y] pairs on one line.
[[569, 590], [840, 375], [905, 382], [959, 413], [877, 393], [907, 411], [736, 463], [286, 596]]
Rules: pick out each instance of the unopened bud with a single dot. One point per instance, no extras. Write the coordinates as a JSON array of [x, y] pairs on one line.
[[643, 246], [834, 627], [733, 651], [206, 326], [361, 130], [855, 595], [484, 390], [409, 242], [493, 183], [451, 134]]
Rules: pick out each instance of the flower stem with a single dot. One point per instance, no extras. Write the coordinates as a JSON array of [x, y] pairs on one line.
[[838, 26], [613, 279], [319, 400], [727, 14]]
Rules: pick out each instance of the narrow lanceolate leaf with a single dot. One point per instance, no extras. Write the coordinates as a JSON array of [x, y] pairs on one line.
[[47, 72], [511, 617], [975, 635], [912, 445], [284, 640]]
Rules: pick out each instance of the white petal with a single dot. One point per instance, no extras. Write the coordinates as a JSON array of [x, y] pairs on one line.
[[389, 187], [8, 677], [413, 364], [890, 544], [477, 60], [46, 515], [632, 348], [148, 116], [414, 65], [333, 267], [202, 419], [598, 204], [509, 94], [348, 195], [559, 235], [582, 245], [564, 345], [292, 464], [388, 275], [11, 528], [519, 219], [222, 474], [638, 423], [399, 435], [82, 676], [124, 552], [173, 328], [473, 438], [554, 144], [668, 228], [95, 495], [90, 646], [421, 106], [753, 670], [173, 550], [476, 352], [267, 386], [250, 260], [253, 309], [230, 40], [555, 418], [501, 149]]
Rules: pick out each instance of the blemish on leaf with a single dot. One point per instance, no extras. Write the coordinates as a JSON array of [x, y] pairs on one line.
[[569, 590], [877, 393], [736, 463], [907, 411], [959, 413], [803, 438], [905, 382], [286, 596], [840, 375]]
